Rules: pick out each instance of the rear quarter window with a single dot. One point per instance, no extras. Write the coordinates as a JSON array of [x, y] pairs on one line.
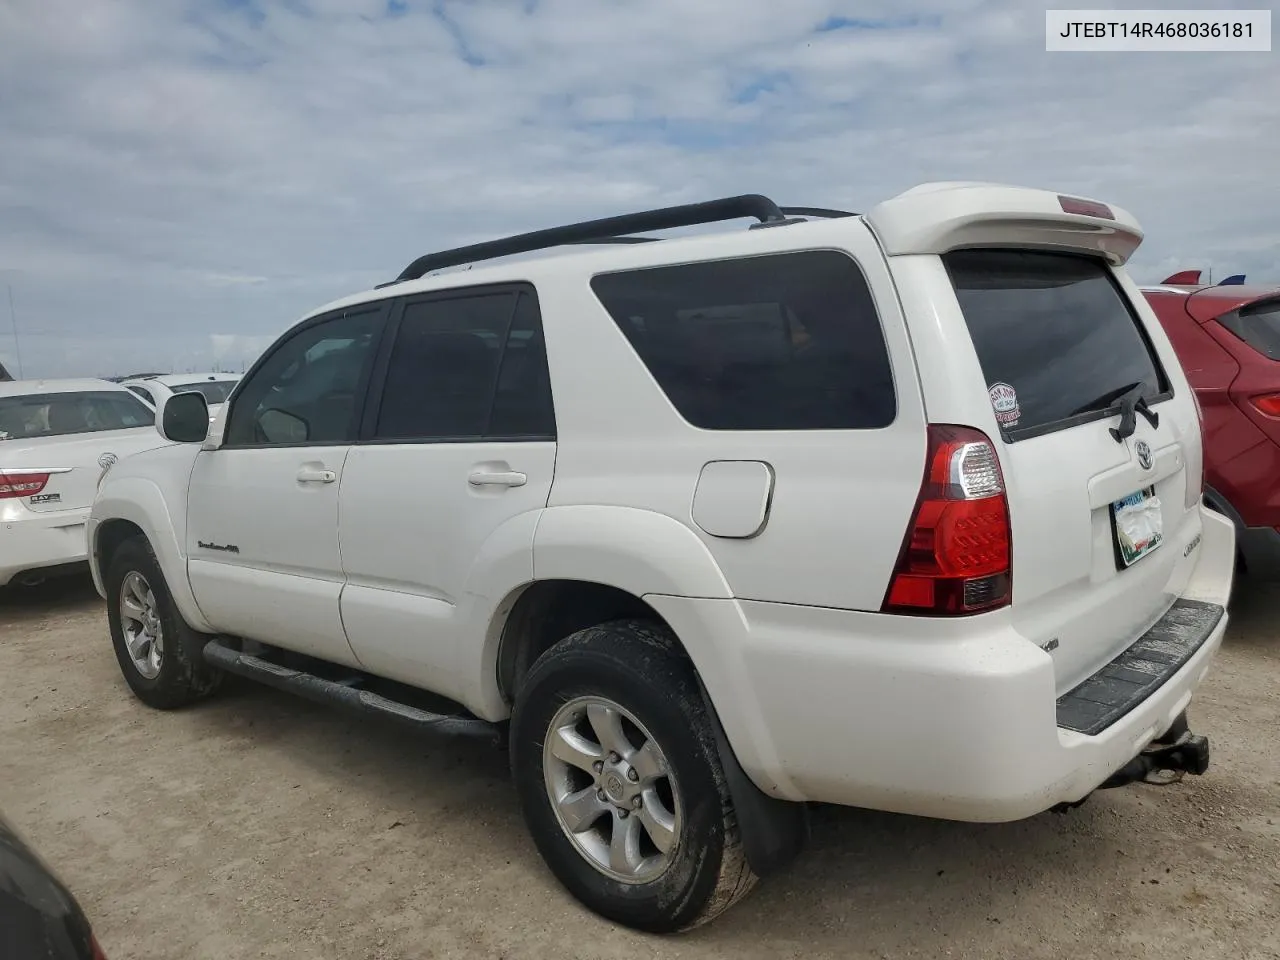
[[1258, 325], [779, 342], [1057, 338]]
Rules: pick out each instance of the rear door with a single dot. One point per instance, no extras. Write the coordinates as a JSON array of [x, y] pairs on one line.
[[1104, 526], [453, 469]]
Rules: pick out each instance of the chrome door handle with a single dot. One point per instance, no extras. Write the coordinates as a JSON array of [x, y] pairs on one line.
[[310, 475], [497, 478]]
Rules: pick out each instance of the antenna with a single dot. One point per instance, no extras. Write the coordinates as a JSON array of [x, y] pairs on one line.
[[17, 346]]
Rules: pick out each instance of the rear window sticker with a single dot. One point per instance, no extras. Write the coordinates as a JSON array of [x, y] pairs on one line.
[[1004, 401]]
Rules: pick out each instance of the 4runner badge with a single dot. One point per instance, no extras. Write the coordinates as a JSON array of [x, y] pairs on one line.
[[1144, 454]]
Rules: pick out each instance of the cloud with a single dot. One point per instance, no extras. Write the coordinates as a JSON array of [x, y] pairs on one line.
[[172, 170]]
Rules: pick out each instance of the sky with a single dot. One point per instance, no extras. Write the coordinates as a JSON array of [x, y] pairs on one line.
[[181, 180]]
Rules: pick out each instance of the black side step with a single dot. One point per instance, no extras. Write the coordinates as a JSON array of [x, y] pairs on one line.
[[315, 688]]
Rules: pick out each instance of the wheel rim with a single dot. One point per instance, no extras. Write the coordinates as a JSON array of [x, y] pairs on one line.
[[612, 789], [140, 623]]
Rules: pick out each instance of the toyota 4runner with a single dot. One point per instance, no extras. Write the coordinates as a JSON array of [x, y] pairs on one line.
[[899, 511]]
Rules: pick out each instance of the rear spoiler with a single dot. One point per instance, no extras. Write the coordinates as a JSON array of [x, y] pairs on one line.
[[938, 217], [4, 374]]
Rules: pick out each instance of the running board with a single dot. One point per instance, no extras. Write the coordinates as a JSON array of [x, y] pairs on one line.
[[344, 694]]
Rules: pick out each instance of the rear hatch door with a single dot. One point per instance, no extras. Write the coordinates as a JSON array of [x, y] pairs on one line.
[[1103, 502]]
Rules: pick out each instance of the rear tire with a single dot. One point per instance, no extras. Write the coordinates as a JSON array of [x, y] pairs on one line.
[[622, 695], [160, 656]]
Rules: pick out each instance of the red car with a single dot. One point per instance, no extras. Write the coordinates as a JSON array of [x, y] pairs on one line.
[[1228, 339]]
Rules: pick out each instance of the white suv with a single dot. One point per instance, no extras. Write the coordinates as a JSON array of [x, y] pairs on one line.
[[897, 511]]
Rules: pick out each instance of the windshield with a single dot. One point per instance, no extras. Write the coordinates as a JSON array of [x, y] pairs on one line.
[[215, 391], [1258, 325], [1056, 337], [38, 415]]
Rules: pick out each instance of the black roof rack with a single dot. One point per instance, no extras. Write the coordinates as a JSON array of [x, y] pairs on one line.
[[815, 212], [616, 230]]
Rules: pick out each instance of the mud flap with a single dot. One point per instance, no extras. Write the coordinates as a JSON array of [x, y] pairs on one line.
[[774, 831]]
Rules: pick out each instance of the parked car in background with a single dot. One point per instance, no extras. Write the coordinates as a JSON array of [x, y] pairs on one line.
[[1227, 338], [214, 387], [899, 511], [40, 918], [57, 437]]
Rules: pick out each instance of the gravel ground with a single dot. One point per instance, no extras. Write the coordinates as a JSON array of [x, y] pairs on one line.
[[258, 825]]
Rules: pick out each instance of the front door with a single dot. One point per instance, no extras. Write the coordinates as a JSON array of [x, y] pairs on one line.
[[441, 497], [262, 522]]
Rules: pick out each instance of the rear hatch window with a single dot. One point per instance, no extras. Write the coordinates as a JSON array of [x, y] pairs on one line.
[[1057, 339], [32, 416], [1258, 325]]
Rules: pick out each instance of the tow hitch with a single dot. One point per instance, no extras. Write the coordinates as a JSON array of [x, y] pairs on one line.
[[1166, 760]]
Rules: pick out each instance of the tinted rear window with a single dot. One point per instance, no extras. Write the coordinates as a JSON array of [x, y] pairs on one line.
[[1056, 337], [59, 414], [1258, 325], [782, 342]]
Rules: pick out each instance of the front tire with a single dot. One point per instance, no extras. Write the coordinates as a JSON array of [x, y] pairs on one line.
[[159, 654], [620, 780]]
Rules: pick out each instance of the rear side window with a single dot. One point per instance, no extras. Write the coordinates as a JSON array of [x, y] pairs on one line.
[[1058, 340], [781, 342], [31, 416], [1258, 325]]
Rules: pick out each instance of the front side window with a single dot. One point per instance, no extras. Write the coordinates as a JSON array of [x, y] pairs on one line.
[[468, 368], [786, 341], [143, 393], [31, 416], [307, 390]]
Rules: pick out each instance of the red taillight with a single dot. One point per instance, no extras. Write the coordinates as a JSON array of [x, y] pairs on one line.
[[21, 484], [1269, 405], [956, 558]]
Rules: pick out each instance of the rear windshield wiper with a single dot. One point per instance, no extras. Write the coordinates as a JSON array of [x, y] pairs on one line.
[[1130, 400]]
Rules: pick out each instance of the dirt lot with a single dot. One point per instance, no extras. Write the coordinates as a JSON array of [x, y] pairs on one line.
[[258, 825]]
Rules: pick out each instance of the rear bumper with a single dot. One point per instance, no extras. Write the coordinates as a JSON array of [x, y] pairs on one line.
[[42, 541], [886, 713]]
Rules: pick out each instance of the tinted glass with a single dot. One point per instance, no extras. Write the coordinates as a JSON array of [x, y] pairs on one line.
[[214, 391], [782, 342], [307, 391], [1056, 329], [144, 394], [59, 414], [1257, 325], [446, 365], [522, 406]]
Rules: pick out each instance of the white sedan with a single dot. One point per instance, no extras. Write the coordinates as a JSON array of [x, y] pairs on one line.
[[57, 438], [216, 387]]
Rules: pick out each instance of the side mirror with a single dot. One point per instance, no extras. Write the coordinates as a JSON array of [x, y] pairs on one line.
[[277, 426], [184, 418]]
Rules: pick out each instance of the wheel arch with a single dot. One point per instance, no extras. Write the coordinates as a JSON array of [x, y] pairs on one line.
[[133, 506]]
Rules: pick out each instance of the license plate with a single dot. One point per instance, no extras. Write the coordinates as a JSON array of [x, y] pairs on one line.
[[1138, 526]]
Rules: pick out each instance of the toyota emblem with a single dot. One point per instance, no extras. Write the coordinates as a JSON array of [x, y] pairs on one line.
[[107, 460], [1143, 450]]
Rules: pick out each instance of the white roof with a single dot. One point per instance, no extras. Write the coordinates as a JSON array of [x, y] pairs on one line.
[[181, 379], [931, 218], [18, 388]]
